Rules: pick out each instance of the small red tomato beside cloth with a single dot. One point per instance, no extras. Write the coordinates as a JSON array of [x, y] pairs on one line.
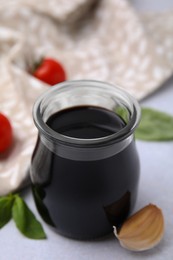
[[50, 71], [6, 134]]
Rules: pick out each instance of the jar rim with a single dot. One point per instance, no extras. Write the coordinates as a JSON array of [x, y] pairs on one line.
[[64, 86]]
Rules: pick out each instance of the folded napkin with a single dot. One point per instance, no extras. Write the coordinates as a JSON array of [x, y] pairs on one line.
[[103, 40]]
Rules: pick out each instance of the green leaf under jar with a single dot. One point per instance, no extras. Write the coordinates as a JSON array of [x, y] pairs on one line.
[[6, 204], [155, 126], [25, 220]]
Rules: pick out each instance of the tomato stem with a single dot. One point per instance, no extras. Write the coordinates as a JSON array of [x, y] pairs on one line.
[[37, 64]]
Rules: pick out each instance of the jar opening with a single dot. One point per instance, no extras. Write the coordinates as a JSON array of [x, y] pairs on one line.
[[70, 94]]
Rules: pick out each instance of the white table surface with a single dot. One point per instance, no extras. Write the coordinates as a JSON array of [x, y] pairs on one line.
[[156, 186]]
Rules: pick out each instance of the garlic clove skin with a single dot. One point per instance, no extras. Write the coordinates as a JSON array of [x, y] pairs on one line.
[[143, 230]]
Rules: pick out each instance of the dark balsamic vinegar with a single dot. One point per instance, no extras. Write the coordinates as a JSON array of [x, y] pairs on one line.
[[83, 199], [85, 122]]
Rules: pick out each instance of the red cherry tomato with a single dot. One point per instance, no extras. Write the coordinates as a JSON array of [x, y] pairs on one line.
[[6, 134], [50, 71]]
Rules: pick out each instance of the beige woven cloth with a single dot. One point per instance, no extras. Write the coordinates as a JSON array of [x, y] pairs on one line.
[[104, 40]]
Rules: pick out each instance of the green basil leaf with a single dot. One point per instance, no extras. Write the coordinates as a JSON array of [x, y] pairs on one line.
[[6, 204], [123, 113], [39, 194], [26, 221], [155, 126]]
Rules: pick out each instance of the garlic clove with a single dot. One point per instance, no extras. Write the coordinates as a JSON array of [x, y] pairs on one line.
[[143, 230]]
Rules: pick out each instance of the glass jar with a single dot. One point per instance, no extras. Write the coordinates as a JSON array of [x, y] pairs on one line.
[[83, 186]]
